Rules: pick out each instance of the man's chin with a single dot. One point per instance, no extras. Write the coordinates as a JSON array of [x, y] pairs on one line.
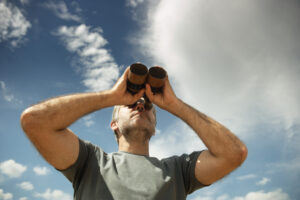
[[140, 128], [142, 125]]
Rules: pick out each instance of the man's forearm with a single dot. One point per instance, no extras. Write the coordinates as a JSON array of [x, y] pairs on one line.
[[60, 112], [217, 138]]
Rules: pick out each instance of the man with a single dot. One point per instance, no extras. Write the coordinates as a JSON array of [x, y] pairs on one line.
[[130, 173]]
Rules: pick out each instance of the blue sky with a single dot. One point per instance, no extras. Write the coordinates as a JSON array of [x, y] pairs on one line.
[[236, 61]]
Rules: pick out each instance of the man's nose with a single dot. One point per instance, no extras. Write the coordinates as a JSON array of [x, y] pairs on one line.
[[140, 106]]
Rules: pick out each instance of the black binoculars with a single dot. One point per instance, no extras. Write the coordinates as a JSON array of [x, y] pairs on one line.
[[139, 75]]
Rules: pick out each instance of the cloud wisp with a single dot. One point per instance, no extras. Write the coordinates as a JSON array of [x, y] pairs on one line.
[[97, 64], [5, 195], [277, 194], [61, 10], [41, 171], [7, 96], [99, 68], [246, 177], [134, 3], [26, 186], [263, 181], [88, 121], [53, 195], [13, 24], [25, 2]]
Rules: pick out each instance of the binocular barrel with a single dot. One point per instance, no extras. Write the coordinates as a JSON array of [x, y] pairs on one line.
[[139, 75], [156, 78]]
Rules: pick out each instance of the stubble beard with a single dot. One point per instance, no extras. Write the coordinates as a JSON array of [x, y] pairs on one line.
[[137, 134]]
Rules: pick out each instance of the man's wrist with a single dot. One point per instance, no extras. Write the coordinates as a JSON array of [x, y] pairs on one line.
[[175, 107], [109, 97]]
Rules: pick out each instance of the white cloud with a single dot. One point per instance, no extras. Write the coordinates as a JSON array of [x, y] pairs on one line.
[[88, 121], [222, 197], [41, 170], [257, 195], [263, 181], [5, 196], [23, 198], [6, 95], [292, 166], [157, 131], [60, 9], [99, 68], [24, 2], [177, 139], [133, 3], [246, 177], [12, 169], [13, 24], [233, 60], [261, 195], [26, 185], [54, 195], [203, 198]]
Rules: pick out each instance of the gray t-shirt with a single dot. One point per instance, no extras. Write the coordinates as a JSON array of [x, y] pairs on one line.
[[97, 175]]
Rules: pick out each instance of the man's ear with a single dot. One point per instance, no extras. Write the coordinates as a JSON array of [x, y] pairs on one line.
[[114, 126]]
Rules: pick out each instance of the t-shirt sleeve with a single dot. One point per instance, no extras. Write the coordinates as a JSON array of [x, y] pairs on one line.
[[188, 164], [75, 171]]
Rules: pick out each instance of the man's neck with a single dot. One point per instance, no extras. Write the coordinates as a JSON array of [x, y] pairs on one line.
[[136, 147]]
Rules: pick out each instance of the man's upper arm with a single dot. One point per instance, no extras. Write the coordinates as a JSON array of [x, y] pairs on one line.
[[59, 148], [210, 169]]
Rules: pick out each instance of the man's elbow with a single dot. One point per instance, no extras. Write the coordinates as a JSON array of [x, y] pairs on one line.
[[240, 155], [27, 121], [244, 153]]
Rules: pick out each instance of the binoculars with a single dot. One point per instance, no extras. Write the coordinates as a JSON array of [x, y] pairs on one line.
[[139, 75]]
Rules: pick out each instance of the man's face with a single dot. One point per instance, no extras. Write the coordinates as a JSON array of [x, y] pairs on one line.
[[136, 117]]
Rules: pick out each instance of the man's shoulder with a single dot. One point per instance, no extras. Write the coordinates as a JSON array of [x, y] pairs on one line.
[[90, 147], [187, 157]]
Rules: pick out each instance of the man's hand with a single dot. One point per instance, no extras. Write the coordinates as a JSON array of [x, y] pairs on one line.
[[165, 100], [120, 93]]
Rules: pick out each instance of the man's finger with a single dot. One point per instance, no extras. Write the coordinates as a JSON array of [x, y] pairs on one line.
[[139, 94], [149, 92], [125, 74]]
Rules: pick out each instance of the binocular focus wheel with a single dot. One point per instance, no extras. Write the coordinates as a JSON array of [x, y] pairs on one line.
[[134, 88]]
